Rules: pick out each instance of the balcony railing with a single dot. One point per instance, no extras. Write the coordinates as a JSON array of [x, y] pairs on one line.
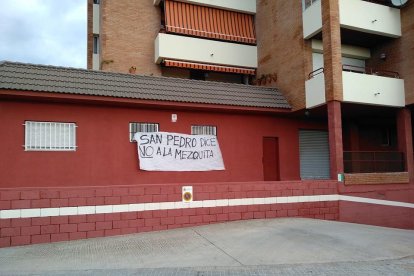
[[315, 73], [359, 69], [370, 71], [373, 161]]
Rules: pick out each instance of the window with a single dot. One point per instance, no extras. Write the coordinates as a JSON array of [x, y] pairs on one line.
[[204, 130], [49, 136], [198, 75], [307, 3], [96, 44], [96, 1], [141, 127]]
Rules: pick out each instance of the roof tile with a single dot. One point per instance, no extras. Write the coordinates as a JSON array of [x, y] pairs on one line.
[[31, 77]]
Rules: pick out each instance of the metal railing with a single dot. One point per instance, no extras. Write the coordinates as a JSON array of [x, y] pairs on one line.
[[315, 72], [370, 71], [373, 161], [359, 69]]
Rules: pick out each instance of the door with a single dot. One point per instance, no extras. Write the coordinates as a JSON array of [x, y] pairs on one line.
[[314, 154], [271, 159]]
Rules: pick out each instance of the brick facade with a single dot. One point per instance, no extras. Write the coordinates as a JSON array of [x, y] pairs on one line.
[[89, 46], [128, 31], [281, 49], [376, 178], [332, 50], [335, 138]]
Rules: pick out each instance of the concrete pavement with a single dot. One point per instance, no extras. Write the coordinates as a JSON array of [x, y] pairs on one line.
[[256, 247]]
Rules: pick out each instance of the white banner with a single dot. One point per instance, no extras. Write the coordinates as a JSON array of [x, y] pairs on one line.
[[165, 151]]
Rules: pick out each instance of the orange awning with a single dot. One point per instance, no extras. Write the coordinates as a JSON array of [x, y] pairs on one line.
[[209, 22], [209, 67]]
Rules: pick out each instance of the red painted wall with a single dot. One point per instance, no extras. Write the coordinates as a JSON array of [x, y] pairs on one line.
[[106, 157], [21, 231], [373, 214]]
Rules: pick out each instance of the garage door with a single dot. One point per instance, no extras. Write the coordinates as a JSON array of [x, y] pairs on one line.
[[314, 154]]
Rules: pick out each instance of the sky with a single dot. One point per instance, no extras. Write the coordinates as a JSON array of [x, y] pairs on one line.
[[50, 32]]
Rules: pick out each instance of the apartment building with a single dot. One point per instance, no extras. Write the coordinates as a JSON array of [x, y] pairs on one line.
[[205, 40], [310, 101]]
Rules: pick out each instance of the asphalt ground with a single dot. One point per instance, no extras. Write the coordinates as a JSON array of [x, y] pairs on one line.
[[290, 246]]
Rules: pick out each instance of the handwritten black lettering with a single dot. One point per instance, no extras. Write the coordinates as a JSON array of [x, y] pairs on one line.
[[146, 151], [208, 142]]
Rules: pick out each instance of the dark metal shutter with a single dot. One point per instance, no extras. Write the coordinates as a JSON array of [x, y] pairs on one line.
[[314, 154]]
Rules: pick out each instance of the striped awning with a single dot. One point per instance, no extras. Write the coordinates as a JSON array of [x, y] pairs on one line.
[[209, 22], [209, 67]]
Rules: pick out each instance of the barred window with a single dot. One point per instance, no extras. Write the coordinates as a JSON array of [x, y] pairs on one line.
[[135, 127], [204, 130], [49, 136]]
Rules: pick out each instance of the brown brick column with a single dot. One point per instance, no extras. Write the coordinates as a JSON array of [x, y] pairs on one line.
[[331, 34], [332, 56], [335, 138], [89, 35], [405, 142]]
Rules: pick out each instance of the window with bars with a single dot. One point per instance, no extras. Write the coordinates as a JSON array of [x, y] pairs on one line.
[[135, 127], [49, 136], [204, 130]]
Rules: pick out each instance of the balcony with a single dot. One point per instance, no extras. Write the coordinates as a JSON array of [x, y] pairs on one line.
[[360, 85], [380, 20], [373, 161], [190, 49]]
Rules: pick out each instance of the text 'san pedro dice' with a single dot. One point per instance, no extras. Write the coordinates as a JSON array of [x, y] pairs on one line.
[[187, 193]]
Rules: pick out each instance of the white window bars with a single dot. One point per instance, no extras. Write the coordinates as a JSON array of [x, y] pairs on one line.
[[135, 127], [204, 130], [49, 136]]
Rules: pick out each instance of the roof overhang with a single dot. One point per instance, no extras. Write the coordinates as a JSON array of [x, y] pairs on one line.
[[39, 96]]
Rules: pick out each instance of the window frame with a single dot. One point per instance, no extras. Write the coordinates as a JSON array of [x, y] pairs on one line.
[[203, 128], [131, 133], [96, 47], [30, 135]]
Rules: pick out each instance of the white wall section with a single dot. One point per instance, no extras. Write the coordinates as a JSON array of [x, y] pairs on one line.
[[204, 51], [96, 19], [312, 20], [95, 62], [244, 6], [370, 17], [315, 91], [356, 15], [372, 89], [141, 207]]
